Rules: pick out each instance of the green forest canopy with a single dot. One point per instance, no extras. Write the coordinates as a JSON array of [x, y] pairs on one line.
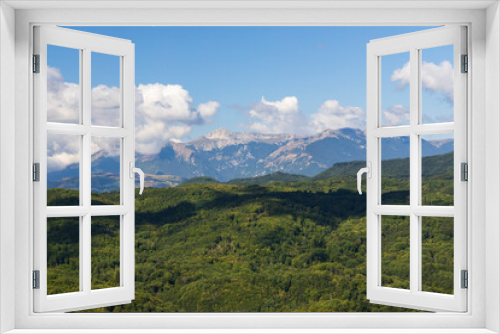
[[281, 246]]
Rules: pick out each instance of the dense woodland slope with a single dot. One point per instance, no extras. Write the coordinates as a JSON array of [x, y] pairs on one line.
[[281, 246]]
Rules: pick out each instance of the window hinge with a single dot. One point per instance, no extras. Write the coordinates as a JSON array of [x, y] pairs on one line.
[[36, 172], [36, 279], [465, 64], [464, 169], [36, 63], [465, 279]]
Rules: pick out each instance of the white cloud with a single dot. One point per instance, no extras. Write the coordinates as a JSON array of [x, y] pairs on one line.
[[436, 78], [163, 113], [109, 146], [285, 116], [396, 115], [332, 115], [167, 113], [166, 102], [278, 116], [62, 150], [63, 98], [105, 110], [401, 76], [208, 109]]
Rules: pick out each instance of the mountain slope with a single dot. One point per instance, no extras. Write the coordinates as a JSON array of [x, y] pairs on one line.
[[225, 155], [199, 180], [274, 177], [226, 248], [394, 168]]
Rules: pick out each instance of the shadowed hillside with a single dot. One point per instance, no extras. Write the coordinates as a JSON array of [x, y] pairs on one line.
[[287, 246]]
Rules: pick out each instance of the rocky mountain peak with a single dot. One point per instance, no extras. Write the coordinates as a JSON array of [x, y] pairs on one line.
[[221, 133]]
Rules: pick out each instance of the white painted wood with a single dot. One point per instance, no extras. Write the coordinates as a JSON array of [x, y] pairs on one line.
[[471, 322], [7, 167], [86, 297], [243, 4], [422, 129], [407, 210], [76, 129], [258, 331], [491, 162], [415, 156], [414, 297]]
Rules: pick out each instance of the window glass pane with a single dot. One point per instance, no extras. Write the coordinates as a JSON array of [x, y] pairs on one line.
[[436, 75], [105, 252], [63, 170], [395, 170], [63, 85], [395, 92], [106, 170], [396, 251], [63, 255], [437, 169], [105, 90], [437, 254]]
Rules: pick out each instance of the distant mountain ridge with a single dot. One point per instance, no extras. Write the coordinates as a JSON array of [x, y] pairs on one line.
[[440, 166], [225, 155]]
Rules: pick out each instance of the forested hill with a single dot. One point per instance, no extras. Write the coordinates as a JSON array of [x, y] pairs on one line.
[[274, 177], [438, 165], [396, 168], [276, 247], [199, 180]]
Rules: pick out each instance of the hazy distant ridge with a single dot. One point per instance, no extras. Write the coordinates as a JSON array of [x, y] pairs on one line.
[[225, 155]]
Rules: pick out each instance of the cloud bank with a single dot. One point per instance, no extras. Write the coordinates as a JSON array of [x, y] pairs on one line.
[[278, 116], [436, 78], [285, 116], [163, 113], [397, 114], [332, 115], [167, 113]]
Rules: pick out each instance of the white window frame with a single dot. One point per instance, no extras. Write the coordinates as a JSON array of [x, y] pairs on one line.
[[413, 43], [484, 308], [86, 44]]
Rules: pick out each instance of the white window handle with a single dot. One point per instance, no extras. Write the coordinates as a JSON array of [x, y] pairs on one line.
[[368, 171], [139, 171]]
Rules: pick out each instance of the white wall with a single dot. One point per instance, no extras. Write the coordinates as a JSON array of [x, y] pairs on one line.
[[492, 164], [7, 160]]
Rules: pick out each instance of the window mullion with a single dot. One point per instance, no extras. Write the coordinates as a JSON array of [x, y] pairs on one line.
[[415, 253], [86, 186]]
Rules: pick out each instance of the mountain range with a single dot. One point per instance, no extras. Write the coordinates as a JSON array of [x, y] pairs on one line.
[[225, 155]]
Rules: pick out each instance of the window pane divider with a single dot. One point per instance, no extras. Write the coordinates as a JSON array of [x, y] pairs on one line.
[[431, 129], [76, 129], [392, 210], [80, 211], [423, 129], [393, 131], [433, 211], [415, 175], [407, 210]]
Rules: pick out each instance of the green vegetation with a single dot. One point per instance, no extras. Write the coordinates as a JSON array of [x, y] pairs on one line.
[[274, 177], [282, 246], [199, 180]]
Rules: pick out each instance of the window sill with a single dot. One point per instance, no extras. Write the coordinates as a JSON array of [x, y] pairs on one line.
[[250, 331]]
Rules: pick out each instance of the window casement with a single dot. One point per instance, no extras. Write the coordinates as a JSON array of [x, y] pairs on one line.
[[82, 132], [475, 320], [416, 211]]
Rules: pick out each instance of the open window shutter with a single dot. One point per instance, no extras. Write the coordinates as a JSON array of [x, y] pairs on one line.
[[382, 276], [117, 284]]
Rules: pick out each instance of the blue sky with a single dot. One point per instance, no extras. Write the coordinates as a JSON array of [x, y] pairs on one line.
[[237, 66]]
